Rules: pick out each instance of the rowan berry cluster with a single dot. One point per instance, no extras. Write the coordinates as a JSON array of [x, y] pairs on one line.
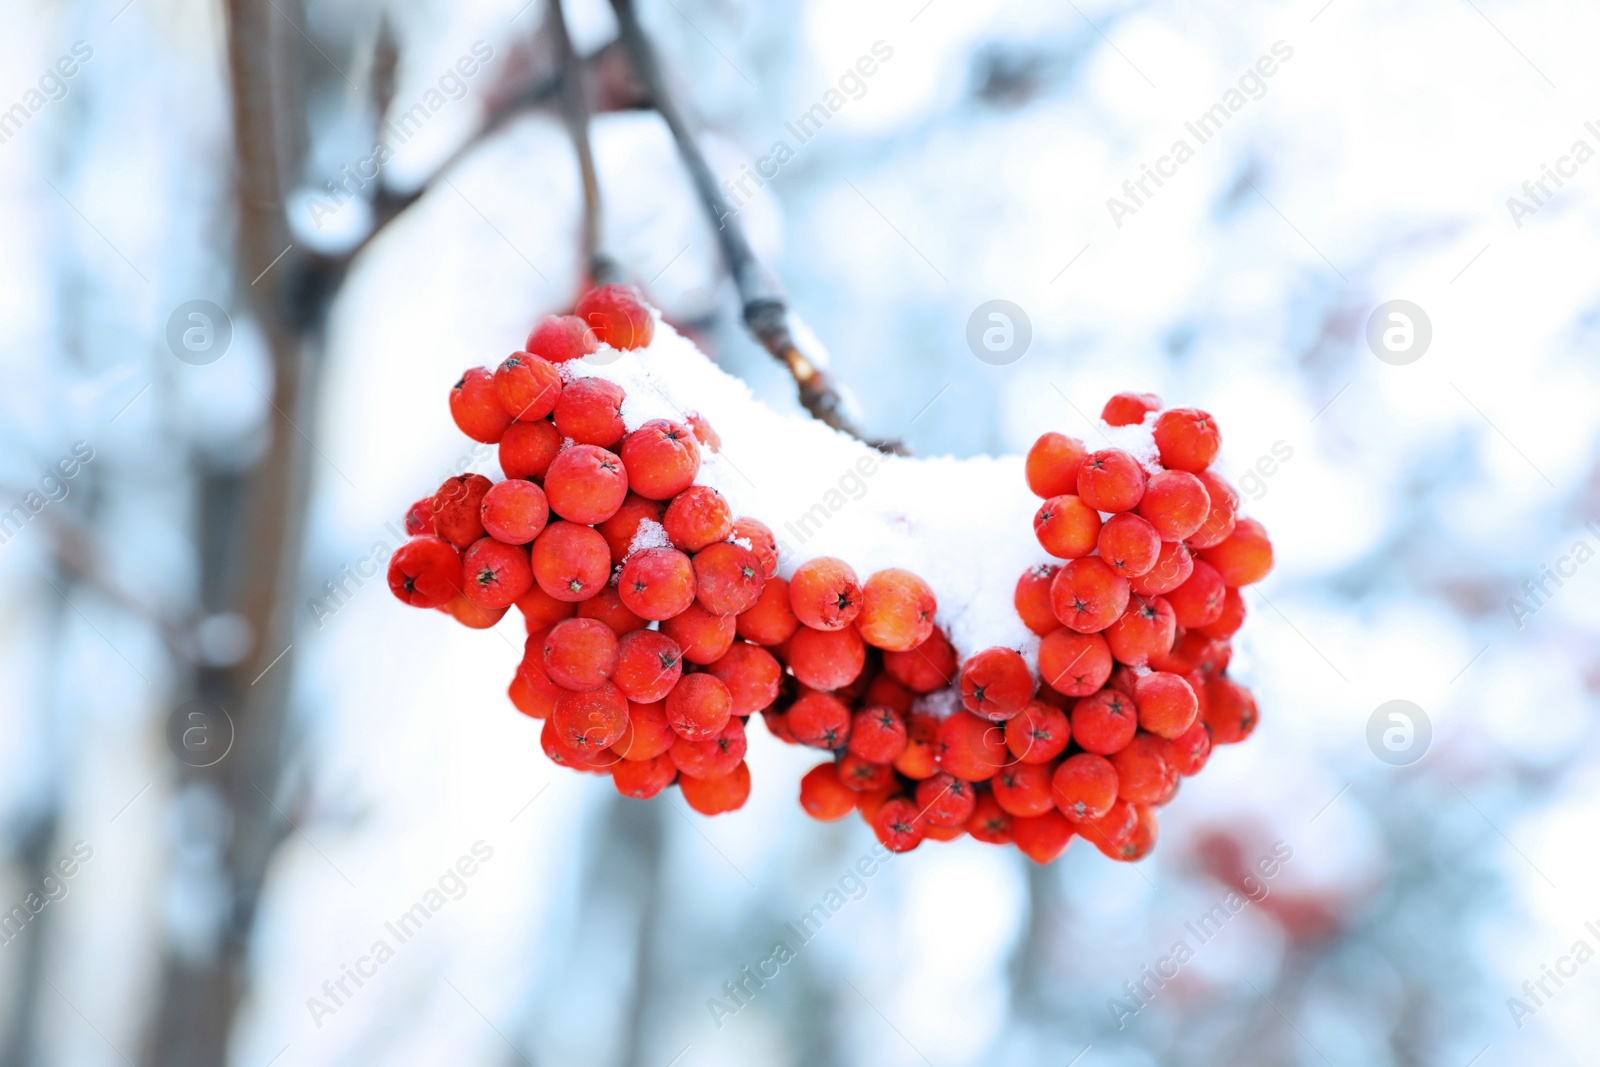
[[657, 622]]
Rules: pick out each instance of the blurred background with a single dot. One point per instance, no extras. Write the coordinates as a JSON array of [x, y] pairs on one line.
[[249, 245]]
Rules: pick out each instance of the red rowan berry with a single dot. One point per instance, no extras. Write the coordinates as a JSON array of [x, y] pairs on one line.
[[590, 412], [1187, 652], [1227, 623], [970, 747], [657, 583], [586, 484], [704, 637], [531, 670], [871, 801], [697, 517], [929, 666], [1175, 503], [526, 700], [1172, 568], [1114, 830], [1066, 527], [649, 664], [1146, 629], [996, 684], [472, 615], [884, 691], [1039, 734], [457, 509], [1188, 752], [1143, 776], [1223, 513], [699, 706], [607, 607], [425, 572], [580, 654], [1104, 722], [528, 386], [896, 610], [1032, 598], [618, 316], [727, 578], [559, 338], [571, 562], [1187, 439], [1041, 837], [643, 779], [1089, 595], [943, 833], [1084, 787], [1129, 543], [1245, 557], [591, 721], [713, 757], [826, 659], [662, 459], [1023, 788], [475, 406], [1111, 480], [648, 734], [770, 620], [820, 720], [751, 674], [514, 512], [541, 611], [878, 734], [1122, 679], [760, 541], [704, 432], [1052, 465], [493, 573], [527, 449], [945, 800], [897, 825], [989, 822], [621, 529], [1230, 711], [1129, 409], [419, 517], [1074, 664], [715, 796], [560, 752], [1167, 705], [920, 758], [863, 775], [1198, 601], [823, 796], [825, 594], [1143, 839]]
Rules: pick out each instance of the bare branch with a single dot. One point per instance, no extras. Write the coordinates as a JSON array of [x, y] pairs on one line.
[[765, 312], [575, 109]]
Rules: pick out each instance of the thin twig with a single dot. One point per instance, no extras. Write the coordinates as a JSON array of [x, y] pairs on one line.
[[766, 314], [575, 109]]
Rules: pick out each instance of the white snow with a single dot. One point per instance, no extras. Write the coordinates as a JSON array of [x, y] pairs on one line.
[[964, 525], [649, 534]]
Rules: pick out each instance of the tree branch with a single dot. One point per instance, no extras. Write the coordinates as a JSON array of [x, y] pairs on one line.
[[766, 314], [575, 109]]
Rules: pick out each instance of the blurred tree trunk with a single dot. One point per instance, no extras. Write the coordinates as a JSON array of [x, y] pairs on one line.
[[251, 526]]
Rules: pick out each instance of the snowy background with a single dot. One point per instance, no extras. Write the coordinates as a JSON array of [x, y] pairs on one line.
[[1409, 503]]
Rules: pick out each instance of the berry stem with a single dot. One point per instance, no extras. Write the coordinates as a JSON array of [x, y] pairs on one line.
[[766, 314], [575, 110]]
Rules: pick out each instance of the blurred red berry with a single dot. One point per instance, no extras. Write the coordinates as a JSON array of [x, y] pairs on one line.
[[425, 572], [475, 406], [618, 316]]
